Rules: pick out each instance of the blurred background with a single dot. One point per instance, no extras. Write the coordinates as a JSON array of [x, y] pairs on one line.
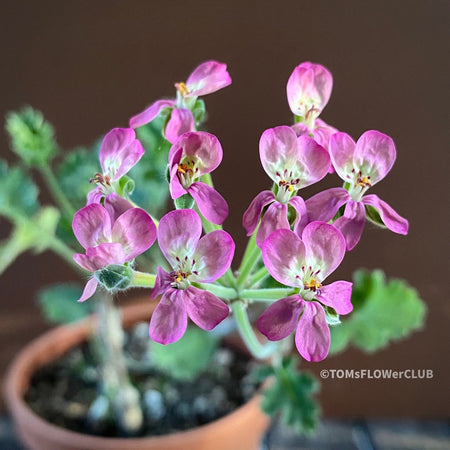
[[90, 65]]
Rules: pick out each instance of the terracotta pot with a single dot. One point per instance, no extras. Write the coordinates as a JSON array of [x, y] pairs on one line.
[[241, 429]]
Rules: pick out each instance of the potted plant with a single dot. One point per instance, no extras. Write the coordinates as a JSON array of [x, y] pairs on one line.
[[279, 289]]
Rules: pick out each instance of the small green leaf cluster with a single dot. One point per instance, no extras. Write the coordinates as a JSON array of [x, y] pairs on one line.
[[290, 396], [384, 311], [32, 137]]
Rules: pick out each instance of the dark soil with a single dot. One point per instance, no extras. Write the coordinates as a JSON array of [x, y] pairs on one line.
[[64, 392]]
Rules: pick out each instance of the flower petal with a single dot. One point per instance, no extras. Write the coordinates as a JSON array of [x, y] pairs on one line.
[[204, 308], [301, 219], [99, 257], [150, 113], [390, 218], [275, 218], [322, 133], [324, 205], [213, 256], [162, 283], [374, 155], [252, 215], [313, 161], [116, 206], [312, 338], [204, 148], [342, 150], [278, 150], [135, 230], [89, 290], [210, 203], [280, 319], [284, 255], [92, 225], [208, 77], [309, 86], [178, 234], [95, 196], [169, 320], [181, 121], [351, 224], [324, 247], [176, 189], [337, 295], [119, 152]]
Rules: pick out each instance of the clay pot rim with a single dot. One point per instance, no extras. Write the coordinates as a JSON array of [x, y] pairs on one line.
[[32, 356]]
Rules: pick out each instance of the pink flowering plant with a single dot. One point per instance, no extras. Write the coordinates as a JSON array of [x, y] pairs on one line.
[[295, 244]]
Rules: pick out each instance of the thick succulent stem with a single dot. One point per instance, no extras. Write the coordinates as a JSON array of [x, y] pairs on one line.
[[123, 397]]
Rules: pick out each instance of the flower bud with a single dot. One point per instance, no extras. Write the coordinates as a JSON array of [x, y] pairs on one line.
[[115, 277]]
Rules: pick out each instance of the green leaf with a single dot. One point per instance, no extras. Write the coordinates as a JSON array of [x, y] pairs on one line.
[[186, 358], [290, 396], [18, 193], [32, 137], [59, 304], [384, 311]]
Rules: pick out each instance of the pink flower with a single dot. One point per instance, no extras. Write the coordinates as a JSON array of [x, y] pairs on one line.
[[361, 166], [207, 78], [191, 156], [108, 241], [119, 152], [308, 91], [292, 163], [193, 259], [304, 264]]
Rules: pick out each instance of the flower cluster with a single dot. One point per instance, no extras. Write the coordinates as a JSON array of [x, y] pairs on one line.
[[301, 242]]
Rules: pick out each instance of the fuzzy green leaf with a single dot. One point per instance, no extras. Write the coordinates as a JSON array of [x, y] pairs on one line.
[[384, 311], [290, 397], [32, 137], [18, 194], [186, 358], [59, 304], [115, 277]]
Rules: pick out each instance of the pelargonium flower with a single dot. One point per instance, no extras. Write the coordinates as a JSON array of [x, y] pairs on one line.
[[361, 165], [292, 163], [193, 259], [304, 264], [119, 152], [191, 156], [109, 241], [207, 78], [308, 91]]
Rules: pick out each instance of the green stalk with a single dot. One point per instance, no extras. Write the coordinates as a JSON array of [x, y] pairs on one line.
[[251, 257], [142, 279], [258, 350], [56, 191], [220, 291], [259, 276], [265, 294]]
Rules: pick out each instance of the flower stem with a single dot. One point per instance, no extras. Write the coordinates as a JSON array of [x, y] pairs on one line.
[[143, 279], [265, 294], [220, 291], [259, 276], [251, 257], [56, 191], [258, 350]]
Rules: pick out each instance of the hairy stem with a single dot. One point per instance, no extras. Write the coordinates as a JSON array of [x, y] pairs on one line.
[[56, 191]]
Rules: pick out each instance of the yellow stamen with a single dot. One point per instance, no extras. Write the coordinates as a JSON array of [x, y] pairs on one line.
[[182, 88], [313, 285], [363, 182]]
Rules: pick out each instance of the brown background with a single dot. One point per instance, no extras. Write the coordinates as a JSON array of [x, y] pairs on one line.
[[90, 65]]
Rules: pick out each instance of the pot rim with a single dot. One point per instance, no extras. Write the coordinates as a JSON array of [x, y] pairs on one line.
[[61, 339]]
